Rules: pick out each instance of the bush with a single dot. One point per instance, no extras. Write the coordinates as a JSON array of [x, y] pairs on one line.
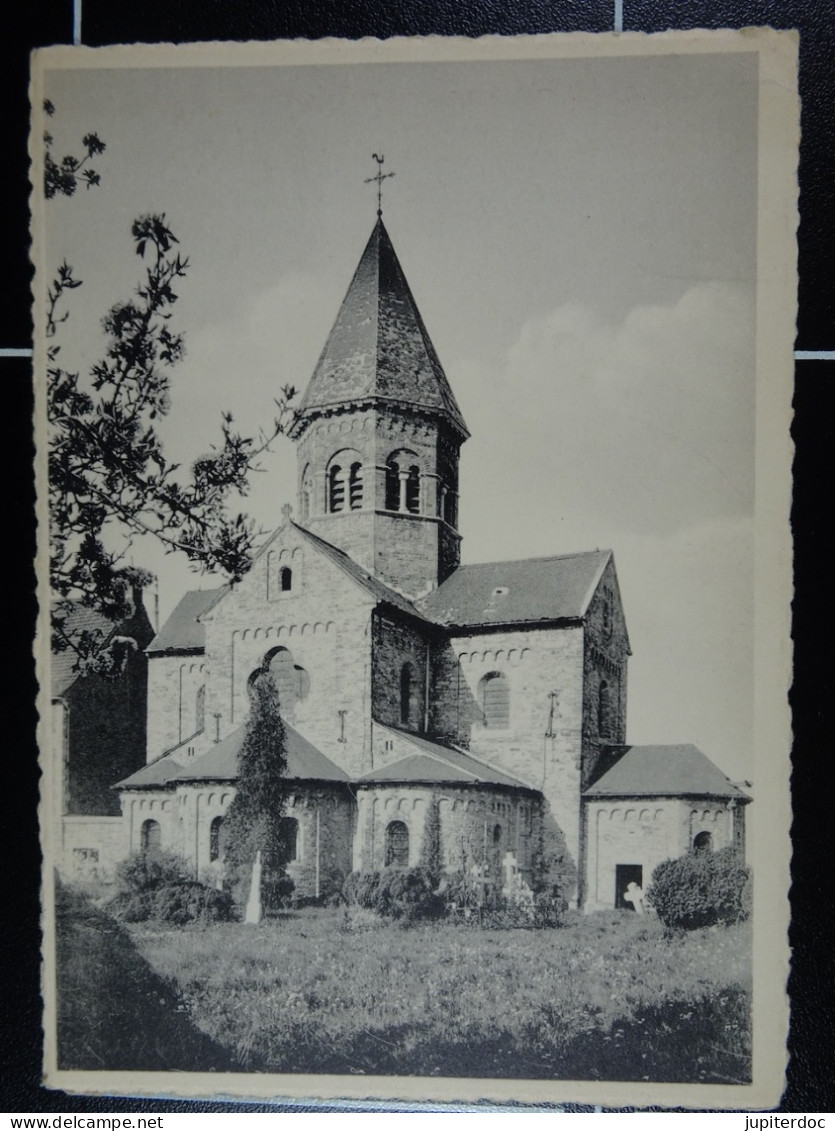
[[156, 885], [191, 902], [700, 889], [396, 893], [147, 871]]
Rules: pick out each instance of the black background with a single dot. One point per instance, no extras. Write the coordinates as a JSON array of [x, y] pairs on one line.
[[811, 1072]]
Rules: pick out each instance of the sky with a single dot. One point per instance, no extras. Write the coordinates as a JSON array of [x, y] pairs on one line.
[[580, 237]]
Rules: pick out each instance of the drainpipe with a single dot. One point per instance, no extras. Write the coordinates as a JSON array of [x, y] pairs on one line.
[[426, 693], [317, 851]]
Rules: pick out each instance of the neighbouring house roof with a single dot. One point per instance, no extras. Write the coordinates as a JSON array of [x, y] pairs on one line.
[[378, 349], [434, 762], [79, 619], [304, 761], [660, 771], [183, 632], [530, 590]]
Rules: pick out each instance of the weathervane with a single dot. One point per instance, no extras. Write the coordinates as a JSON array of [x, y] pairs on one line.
[[378, 179]]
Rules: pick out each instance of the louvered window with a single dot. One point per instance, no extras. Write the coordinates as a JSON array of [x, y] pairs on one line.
[[355, 487], [413, 491], [336, 490]]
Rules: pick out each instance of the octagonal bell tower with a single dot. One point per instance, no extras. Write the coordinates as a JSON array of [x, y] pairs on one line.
[[378, 434]]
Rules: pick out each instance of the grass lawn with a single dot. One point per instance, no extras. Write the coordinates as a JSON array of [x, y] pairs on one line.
[[608, 997]]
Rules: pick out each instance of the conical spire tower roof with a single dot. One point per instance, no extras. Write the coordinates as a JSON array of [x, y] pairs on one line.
[[378, 349]]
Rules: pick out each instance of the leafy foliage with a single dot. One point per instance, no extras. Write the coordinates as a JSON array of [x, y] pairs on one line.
[[431, 854], [396, 893], [253, 820], [157, 885], [700, 889], [110, 481], [148, 871], [62, 177]]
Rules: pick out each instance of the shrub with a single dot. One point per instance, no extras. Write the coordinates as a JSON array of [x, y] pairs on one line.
[[190, 902], [331, 881], [700, 889], [396, 893], [147, 871], [157, 885]]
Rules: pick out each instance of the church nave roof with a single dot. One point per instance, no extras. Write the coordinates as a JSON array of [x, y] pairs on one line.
[[532, 589], [434, 762]]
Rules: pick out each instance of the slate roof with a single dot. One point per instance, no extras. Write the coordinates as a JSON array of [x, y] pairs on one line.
[[304, 761], [537, 589], [432, 762], [378, 348], [661, 771], [182, 632], [78, 619], [154, 774]]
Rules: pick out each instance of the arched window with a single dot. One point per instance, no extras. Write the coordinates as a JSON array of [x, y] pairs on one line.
[[150, 836], [406, 681], [397, 845], [450, 508], [336, 489], [285, 577], [355, 487], [215, 839], [288, 829], [494, 700], [703, 842], [603, 708], [200, 708], [291, 681], [305, 492]]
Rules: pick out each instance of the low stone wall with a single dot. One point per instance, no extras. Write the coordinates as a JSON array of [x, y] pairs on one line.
[[91, 848]]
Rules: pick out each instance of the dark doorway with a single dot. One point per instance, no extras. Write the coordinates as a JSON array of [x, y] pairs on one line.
[[626, 874]]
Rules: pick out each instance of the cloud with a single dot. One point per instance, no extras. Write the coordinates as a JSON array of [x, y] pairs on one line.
[[641, 425]]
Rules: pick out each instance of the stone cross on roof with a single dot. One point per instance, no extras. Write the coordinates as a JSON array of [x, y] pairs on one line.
[[378, 178]]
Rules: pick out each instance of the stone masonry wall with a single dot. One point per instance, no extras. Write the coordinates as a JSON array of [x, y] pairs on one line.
[[407, 551], [604, 673], [325, 818], [160, 805], [394, 645], [173, 683], [542, 749], [476, 823], [91, 849], [645, 832], [325, 623]]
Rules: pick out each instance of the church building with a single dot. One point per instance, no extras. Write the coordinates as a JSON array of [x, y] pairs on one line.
[[475, 711]]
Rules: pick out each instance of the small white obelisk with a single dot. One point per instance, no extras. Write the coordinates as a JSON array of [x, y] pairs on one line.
[[253, 904]]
